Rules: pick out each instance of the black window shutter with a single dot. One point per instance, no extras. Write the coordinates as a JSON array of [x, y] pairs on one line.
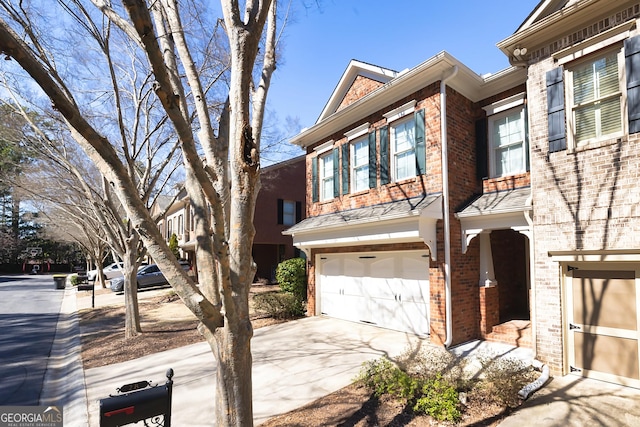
[[632, 65], [555, 110], [345, 168], [421, 153], [336, 170], [280, 211], [298, 212], [384, 156], [373, 164], [314, 180], [482, 149]]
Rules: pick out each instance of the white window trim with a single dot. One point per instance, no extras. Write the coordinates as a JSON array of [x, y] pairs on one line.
[[356, 132], [392, 152], [401, 111], [504, 104], [492, 148], [321, 149], [352, 165], [572, 145], [321, 175]]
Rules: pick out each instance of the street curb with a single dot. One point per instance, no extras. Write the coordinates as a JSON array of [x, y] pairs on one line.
[[64, 382]]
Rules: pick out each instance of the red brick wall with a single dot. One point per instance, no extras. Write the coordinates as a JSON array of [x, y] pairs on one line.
[[463, 184], [361, 87], [279, 182]]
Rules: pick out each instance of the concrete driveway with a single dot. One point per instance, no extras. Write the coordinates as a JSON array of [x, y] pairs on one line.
[[294, 363]]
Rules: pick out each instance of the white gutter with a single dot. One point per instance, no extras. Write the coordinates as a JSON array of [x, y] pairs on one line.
[[445, 202]]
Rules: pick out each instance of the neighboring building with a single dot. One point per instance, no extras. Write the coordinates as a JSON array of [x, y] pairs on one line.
[[280, 204], [521, 184]]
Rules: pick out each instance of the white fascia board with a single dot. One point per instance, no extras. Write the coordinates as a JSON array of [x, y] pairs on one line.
[[535, 34]]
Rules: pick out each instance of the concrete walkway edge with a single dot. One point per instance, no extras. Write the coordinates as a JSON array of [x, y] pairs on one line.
[[64, 381]]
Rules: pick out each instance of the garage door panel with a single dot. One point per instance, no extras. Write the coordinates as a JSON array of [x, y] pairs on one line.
[[605, 298], [390, 289], [609, 355]]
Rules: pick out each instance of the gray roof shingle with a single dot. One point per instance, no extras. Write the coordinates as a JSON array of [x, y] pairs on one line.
[[386, 211]]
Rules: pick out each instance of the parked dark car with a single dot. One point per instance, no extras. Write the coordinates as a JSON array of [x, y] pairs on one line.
[[148, 276]]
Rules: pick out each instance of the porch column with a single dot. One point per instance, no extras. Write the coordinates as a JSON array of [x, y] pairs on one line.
[[487, 276]]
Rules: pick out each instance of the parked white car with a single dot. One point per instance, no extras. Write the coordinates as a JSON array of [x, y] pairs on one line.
[[110, 271]]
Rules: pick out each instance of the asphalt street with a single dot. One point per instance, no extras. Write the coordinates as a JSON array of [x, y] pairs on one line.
[[29, 309]]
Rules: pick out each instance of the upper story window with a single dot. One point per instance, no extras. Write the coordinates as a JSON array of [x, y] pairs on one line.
[[327, 176], [403, 149], [595, 98], [360, 165], [180, 224], [507, 141], [288, 212]]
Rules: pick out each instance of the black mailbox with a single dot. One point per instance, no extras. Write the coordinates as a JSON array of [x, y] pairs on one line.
[[136, 402]]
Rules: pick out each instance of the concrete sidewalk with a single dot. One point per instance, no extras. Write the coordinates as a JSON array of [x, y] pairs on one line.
[[572, 401]]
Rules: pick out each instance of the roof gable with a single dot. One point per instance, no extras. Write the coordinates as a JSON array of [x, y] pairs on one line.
[[542, 10], [358, 80]]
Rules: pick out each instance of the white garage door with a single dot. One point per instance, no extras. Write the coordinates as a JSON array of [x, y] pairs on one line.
[[603, 322], [387, 289]]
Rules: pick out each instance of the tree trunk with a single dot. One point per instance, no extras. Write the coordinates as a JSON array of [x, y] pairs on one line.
[[130, 271], [231, 348]]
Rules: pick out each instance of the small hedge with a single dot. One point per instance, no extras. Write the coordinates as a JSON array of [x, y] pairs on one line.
[[431, 381], [279, 305], [292, 277]]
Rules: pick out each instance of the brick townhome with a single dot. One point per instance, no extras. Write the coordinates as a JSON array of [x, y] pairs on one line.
[[529, 232]]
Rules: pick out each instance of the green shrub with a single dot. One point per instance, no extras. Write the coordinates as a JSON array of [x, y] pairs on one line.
[[174, 246], [74, 280], [292, 277], [439, 400], [279, 305], [383, 377]]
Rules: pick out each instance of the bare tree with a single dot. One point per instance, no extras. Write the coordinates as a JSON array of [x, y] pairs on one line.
[[222, 179]]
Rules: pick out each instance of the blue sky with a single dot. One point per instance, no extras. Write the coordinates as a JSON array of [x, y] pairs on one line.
[[396, 34]]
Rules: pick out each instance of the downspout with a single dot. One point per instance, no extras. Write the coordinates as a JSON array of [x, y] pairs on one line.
[[445, 204]]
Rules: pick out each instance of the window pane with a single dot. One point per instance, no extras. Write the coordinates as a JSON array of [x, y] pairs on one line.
[[360, 165], [606, 71], [585, 123], [404, 150], [288, 212], [405, 165], [583, 90], [508, 144], [361, 179], [326, 183], [611, 116]]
